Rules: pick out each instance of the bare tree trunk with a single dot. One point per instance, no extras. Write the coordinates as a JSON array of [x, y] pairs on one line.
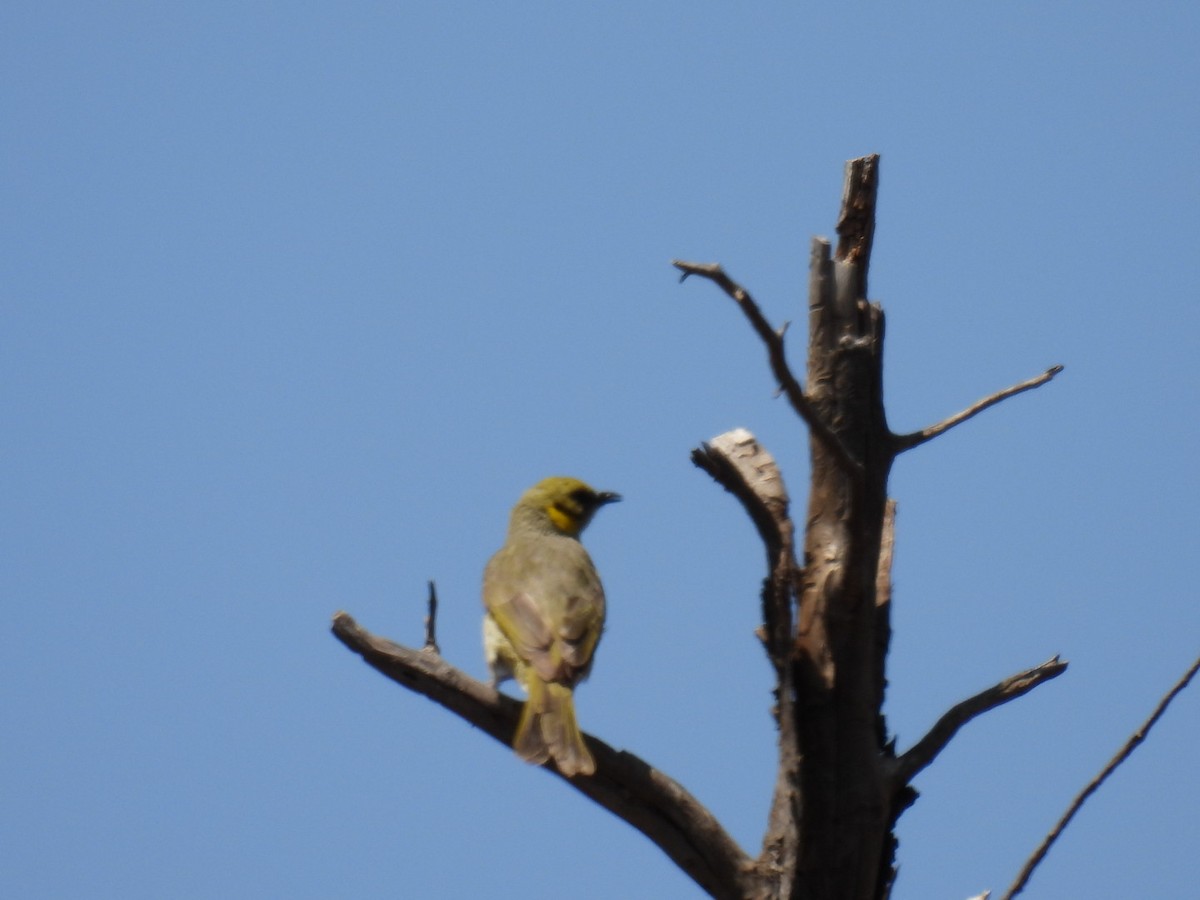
[[843, 634]]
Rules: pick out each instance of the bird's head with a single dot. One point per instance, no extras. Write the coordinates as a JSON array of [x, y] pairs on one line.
[[565, 503]]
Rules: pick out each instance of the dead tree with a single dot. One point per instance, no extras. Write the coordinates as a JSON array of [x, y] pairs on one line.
[[841, 785]]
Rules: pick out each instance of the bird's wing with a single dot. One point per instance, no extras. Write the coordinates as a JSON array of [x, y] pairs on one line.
[[555, 654], [526, 628], [583, 621]]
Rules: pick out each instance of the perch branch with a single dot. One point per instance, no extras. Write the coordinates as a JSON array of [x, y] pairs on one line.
[[626, 786], [773, 340], [926, 750], [1130, 745], [902, 442]]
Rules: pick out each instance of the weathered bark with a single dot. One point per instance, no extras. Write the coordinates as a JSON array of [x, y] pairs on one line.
[[839, 667]]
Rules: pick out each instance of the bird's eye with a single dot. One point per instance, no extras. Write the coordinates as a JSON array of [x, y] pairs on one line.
[[582, 496]]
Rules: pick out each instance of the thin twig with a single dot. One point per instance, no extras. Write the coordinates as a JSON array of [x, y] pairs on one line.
[[902, 442], [431, 644], [1130, 745], [773, 339], [925, 750]]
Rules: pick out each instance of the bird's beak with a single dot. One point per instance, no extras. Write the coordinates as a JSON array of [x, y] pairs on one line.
[[607, 497]]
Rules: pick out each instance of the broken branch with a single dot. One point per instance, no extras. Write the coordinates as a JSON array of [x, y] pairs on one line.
[[738, 463]]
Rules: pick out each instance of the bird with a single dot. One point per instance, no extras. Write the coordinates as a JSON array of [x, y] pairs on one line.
[[544, 616]]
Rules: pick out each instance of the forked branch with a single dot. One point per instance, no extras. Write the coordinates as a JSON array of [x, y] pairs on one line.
[[902, 442], [626, 786], [926, 750]]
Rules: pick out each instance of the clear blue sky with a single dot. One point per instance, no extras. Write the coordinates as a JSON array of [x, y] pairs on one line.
[[298, 298]]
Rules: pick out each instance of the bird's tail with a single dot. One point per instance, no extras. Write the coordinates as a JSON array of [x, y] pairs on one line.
[[548, 730]]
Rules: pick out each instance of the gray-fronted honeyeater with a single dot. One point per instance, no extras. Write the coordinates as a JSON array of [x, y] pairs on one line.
[[545, 613]]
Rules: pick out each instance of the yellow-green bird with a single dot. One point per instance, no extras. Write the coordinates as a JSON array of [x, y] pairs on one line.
[[545, 614]]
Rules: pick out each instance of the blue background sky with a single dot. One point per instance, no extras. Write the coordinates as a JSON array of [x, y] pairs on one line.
[[298, 298]]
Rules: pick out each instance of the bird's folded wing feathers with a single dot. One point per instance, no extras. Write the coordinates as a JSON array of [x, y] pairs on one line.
[[527, 629]]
